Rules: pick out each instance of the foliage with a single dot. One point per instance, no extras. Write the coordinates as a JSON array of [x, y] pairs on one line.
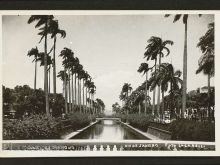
[[184, 129], [140, 121], [24, 99], [79, 120], [31, 127]]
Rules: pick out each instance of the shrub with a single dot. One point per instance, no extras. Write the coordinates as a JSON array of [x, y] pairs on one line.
[[32, 127], [78, 120], [185, 129], [122, 116], [140, 121]]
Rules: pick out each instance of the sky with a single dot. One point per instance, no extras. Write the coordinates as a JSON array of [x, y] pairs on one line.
[[110, 48]]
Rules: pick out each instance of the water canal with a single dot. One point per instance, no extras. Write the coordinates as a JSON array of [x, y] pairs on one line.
[[109, 130]]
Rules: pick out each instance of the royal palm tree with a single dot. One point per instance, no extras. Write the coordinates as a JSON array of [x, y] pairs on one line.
[[64, 76], [185, 22], [42, 20], [54, 30], [79, 69], [34, 52], [92, 89], [167, 75], [144, 68], [207, 60], [126, 88], [67, 54], [88, 84], [157, 48], [49, 63], [101, 105]]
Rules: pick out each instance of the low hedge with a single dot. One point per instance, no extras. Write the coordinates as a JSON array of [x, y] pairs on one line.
[[42, 127], [188, 130], [32, 127], [181, 129], [79, 120], [140, 121]]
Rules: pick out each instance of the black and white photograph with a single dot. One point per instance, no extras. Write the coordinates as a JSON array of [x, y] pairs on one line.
[[108, 82]]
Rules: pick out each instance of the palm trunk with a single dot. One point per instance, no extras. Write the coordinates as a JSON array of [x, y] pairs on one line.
[[171, 102], [54, 66], [154, 92], [162, 108], [45, 74], [83, 97], [49, 80], [70, 106], [209, 109], [79, 97], [145, 105], [65, 84], [86, 98], [139, 107], [89, 104], [72, 94], [35, 75], [127, 98], [158, 92], [75, 90], [184, 74], [93, 103], [63, 89]]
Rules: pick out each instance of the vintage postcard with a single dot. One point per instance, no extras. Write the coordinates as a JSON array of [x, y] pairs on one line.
[[109, 83]]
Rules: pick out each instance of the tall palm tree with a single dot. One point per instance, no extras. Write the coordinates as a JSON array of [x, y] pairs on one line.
[[157, 48], [42, 20], [34, 52], [54, 31], [67, 54], [92, 89], [167, 75], [73, 72], [126, 88], [49, 63], [88, 84], [185, 22], [79, 69], [84, 75], [101, 104], [207, 60], [144, 68], [64, 76]]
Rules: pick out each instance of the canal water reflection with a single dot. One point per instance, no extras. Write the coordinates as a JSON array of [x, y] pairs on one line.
[[109, 130]]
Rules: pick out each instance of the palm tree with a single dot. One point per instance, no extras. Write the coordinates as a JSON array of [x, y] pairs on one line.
[[54, 30], [157, 47], [84, 75], [34, 52], [67, 54], [185, 22], [49, 63], [126, 88], [166, 76], [73, 74], [87, 85], [43, 20], [144, 68], [92, 89], [64, 76], [79, 68], [100, 104], [207, 60]]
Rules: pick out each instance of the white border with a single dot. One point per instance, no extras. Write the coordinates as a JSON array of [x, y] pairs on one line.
[[117, 153]]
